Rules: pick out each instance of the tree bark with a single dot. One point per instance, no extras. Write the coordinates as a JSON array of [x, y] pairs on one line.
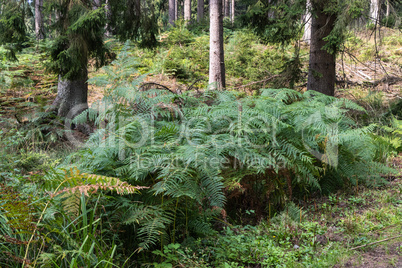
[[307, 23], [108, 30], [39, 20], [321, 74], [232, 11], [72, 96], [172, 12], [388, 9], [227, 8], [187, 11], [375, 11], [200, 10], [176, 10], [216, 53]]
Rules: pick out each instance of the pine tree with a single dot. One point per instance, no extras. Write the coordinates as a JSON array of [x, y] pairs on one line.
[[216, 53], [80, 30]]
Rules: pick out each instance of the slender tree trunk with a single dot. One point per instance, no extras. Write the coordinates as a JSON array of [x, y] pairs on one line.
[[187, 11], [388, 9], [72, 96], [227, 8], [307, 23], [176, 10], [321, 74], [375, 11], [108, 30], [232, 11], [172, 12], [39, 20], [216, 53], [200, 10]]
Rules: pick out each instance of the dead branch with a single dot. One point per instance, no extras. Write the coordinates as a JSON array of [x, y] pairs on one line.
[[373, 243], [148, 86]]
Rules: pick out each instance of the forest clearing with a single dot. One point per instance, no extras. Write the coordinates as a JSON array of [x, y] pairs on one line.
[[196, 133]]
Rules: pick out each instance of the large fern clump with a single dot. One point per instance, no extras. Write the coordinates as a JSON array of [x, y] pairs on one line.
[[197, 150]]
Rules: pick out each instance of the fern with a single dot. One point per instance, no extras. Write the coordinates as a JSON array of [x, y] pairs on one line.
[[188, 148]]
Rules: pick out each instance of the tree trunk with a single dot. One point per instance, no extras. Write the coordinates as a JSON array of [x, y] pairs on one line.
[[172, 12], [216, 56], [375, 11], [307, 23], [108, 30], [321, 73], [72, 96], [232, 11], [39, 20], [176, 10], [227, 8], [200, 10], [187, 11], [388, 9]]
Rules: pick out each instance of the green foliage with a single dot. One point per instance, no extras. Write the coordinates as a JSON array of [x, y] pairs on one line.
[[248, 246], [187, 148], [393, 136], [185, 56], [12, 27], [276, 23], [245, 58], [135, 22], [59, 221], [81, 37]]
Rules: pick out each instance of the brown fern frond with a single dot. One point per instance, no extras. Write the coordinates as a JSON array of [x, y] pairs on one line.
[[87, 184]]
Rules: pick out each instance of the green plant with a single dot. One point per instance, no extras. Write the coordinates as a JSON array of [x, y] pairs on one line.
[[60, 223], [187, 148]]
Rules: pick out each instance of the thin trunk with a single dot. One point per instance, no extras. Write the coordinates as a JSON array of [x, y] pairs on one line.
[[321, 73], [108, 30], [227, 8], [39, 20], [216, 53], [307, 23], [232, 11], [388, 9], [72, 96], [187, 11], [375, 11], [200, 10], [176, 9], [172, 12]]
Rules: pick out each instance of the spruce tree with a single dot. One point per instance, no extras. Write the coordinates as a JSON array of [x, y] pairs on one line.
[[80, 31]]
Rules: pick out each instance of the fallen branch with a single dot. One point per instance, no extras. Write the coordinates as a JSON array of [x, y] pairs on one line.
[[146, 86], [373, 243]]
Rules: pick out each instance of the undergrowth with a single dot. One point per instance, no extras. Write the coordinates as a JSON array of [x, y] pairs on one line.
[[201, 152]]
